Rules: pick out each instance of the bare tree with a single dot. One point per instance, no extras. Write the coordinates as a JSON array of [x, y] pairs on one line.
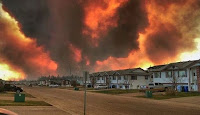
[[108, 81], [175, 80], [93, 80]]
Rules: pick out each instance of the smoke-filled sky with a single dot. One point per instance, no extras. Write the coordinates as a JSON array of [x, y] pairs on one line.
[[62, 37]]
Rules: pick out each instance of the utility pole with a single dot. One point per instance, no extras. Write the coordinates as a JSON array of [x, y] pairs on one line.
[[85, 75]]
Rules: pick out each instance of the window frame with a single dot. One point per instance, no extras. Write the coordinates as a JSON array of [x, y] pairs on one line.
[[167, 74], [126, 77], [157, 73], [134, 77], [146, 77], [182, 75]]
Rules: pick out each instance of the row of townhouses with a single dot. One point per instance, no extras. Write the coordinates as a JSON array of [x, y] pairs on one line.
[[123, 79], [182, 73], [62, 81]]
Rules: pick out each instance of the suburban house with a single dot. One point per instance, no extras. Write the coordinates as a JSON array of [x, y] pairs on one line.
[[122, 79], [180, 73], [62, 81], [1, 82]]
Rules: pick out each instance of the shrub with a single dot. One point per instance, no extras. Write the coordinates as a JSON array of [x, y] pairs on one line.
[[73, 83], [1, 89], [170, 92]]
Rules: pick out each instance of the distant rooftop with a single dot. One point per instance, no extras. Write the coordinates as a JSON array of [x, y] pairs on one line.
[[179, 65], [121, 72]]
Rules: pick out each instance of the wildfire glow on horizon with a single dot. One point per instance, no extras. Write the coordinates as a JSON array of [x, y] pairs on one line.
[[96, 35], [11, 35]]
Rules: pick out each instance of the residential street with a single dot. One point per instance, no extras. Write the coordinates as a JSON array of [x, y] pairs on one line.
[[102, 104]]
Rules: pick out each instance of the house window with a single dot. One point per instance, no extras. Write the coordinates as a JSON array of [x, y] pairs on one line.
[[146, 77], [194, 74], [98, 78], [175, 73], [182, 74], [157, 75], [168, 74], [102, 78], [126, 77], [114, 77], [122, 77], [133, 77], [119, 77]]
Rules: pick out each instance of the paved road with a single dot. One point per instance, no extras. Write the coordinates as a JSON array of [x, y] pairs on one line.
[[102, 104]]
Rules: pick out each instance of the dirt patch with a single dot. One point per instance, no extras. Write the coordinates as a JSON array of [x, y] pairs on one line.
[[190, 100]]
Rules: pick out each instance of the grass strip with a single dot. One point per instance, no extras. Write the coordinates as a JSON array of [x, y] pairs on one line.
[[11, 94], [178, 95], [26, 103], [117, 91]]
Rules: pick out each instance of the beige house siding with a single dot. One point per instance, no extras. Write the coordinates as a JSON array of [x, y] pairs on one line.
[[140, 81]]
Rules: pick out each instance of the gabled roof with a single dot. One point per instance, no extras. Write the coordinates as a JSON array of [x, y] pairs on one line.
[[133, 71], [176, 65], [109, 73]]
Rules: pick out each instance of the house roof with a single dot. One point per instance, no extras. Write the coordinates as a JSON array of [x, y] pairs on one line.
[[133, 71], [176, 65]]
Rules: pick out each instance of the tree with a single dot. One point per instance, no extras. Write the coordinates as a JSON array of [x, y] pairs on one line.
[[108, 81], [175, 80], [73, 83], [93, 81]]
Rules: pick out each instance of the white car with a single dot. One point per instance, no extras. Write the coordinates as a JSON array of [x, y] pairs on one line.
[[143, 87], [158, 86], [52, 85], [101, 87]]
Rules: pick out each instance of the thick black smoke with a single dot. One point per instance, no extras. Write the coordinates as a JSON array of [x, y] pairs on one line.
[[33, 16], [164, 43], [168, 39], [122, 39], [57, 24]]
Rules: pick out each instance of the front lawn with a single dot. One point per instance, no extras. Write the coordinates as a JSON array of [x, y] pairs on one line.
[[11, 94], [178, 95], [26, 103], [117, 91]]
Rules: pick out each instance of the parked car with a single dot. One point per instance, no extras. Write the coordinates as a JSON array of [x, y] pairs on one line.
[[158, 86], [10, 87], [151, 86], [53, 85], [143, 87], [101, 87], [18, 89]]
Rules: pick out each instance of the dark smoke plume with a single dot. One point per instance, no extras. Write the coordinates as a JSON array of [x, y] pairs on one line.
[[57, 24], [170, 38]]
